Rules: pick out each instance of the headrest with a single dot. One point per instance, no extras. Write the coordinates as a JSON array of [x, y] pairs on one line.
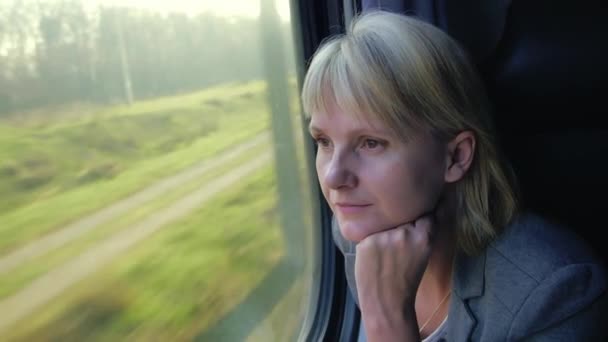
[[548, 70], [546, 78]]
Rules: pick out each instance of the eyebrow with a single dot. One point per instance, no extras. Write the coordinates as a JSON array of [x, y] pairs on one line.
[[316, 130], [313, 129]]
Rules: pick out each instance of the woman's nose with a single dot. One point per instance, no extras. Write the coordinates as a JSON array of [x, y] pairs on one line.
[[339, 174]]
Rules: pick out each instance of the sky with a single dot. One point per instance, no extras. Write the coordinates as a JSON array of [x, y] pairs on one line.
[[226, 8]]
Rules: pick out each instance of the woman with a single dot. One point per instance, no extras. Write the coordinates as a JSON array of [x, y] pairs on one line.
[[407, 161]]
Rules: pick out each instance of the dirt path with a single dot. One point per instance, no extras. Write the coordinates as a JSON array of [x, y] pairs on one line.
[[78, 228], [51, 284]]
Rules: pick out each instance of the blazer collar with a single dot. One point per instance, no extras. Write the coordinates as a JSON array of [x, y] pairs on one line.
[[468, 283], [469, 275]]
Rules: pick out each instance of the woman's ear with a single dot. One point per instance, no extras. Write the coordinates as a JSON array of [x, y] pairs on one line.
[[461, 151]]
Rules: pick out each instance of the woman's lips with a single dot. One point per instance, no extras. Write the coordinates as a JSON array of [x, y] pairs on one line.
[[347, 208]]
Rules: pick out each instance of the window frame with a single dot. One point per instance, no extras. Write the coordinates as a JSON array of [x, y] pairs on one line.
[[336, 316]]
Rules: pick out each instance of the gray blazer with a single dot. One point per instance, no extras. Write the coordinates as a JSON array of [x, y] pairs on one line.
[[537, 282]]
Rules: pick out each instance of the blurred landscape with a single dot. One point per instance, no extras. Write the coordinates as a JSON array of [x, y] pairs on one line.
[[138, 185]]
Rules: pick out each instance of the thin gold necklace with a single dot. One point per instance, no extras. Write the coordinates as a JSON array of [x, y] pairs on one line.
[[434, 312]]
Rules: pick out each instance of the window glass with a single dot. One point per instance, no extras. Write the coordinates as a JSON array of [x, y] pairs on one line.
[[154, 174]]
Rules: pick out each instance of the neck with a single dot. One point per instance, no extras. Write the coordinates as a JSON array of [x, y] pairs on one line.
[[436, 281], [437, 278], [432, 298], [435, 287]]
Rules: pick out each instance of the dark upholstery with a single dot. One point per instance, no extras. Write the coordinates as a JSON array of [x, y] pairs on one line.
[[545, 64]]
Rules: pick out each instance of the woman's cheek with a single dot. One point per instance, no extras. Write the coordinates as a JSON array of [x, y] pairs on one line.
[[413, 205], [404, 206]]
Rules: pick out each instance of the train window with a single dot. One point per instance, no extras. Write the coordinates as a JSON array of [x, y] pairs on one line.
[[154, 175]]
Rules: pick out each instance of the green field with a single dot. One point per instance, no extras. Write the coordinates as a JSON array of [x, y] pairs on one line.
[[52, 172], [58, 165], [16, 279], [181, 280]]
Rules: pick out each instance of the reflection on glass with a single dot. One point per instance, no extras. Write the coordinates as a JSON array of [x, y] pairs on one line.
[[153, 173]]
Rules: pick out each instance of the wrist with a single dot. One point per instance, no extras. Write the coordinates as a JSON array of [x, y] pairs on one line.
[[390, 325]]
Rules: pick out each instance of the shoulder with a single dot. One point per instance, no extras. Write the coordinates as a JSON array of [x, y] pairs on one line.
[[543, 273], [536, 247]]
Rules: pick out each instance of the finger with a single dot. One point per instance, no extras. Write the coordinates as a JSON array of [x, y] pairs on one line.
[[424, 225], [426, 222]]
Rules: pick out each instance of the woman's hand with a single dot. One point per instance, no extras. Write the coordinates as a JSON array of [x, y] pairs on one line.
[[388, 270]]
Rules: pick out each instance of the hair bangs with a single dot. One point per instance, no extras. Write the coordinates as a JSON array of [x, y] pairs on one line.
[[330, 82], [356, 76], [372, 83]]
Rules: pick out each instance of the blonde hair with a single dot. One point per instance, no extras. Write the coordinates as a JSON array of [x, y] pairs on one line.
[[414, 77]]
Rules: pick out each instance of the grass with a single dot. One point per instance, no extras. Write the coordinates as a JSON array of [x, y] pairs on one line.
[[21, 276], [78, 113], [52, 175], [180, 281]]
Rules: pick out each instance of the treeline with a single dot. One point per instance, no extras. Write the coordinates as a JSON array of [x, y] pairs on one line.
[[63, 51]]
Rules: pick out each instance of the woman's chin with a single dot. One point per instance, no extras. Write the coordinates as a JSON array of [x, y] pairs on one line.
[[355, 232]]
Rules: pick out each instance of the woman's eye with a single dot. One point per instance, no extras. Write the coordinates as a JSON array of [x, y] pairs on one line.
[[322, 142], [371, 144]]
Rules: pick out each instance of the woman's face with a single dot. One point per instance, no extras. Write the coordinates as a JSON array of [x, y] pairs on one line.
[[372, 180]]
